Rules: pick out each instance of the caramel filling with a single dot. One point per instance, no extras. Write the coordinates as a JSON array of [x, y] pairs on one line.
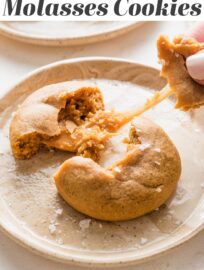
[[89, 138]]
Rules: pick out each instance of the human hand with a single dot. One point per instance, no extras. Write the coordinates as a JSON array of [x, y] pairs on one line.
[[195, 63]]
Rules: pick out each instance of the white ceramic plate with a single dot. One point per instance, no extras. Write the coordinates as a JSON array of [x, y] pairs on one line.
[[65, 33], [32, 213]]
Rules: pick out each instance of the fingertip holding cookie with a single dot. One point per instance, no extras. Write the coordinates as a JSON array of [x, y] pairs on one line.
[[195, 66], [195, 63]]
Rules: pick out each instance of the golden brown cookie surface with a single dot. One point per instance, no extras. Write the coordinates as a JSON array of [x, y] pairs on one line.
[[137, 184]]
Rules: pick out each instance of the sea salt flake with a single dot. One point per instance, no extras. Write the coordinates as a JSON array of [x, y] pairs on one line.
[[158, 150], [84, 224], [158, 189], [138, 129], [52, 228], [144, 146], [59, 211], [143, 241], [70, 126], [171, 212], [60, 241], [117, 169], [83, 243], [11, 170], [163, 62], [157, 163], [178, 222], [202, 185], [180, 197]]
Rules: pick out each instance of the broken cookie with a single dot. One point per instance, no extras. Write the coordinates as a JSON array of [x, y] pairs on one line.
[[67, 116], [54, 116], [173, 55]]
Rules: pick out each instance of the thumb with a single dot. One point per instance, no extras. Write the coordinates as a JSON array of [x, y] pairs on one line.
[[195, 63], [195, 66]]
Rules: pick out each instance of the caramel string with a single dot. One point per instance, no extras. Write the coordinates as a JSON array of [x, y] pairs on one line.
[[151, 102], [128, 116]]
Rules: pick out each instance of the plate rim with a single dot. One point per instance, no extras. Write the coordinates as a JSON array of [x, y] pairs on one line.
[[66, 41], [48, 253]]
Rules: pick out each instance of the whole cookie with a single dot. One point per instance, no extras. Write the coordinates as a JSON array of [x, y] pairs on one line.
[[135, 185]]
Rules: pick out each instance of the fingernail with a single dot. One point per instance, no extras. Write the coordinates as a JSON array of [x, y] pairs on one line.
[[195, 66]]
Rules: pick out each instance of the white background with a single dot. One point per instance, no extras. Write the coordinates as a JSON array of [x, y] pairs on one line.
[[17, 59], [124, 7]]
